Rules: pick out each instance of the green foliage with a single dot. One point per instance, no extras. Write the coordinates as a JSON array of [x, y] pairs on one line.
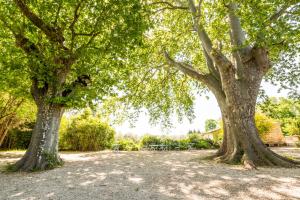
[[128, 144], [263, 123], [200, 143], [76, 38], [19, 137], [149, 140], [287, 111], [20, 112], [86, 133], [210, 124], [164, 91], [218, 135], [183, 144]]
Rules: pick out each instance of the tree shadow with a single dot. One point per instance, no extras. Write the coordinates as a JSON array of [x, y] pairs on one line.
[[151, 175]]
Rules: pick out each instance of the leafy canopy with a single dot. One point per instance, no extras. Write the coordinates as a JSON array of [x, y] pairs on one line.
[[164, 91], [39, 38]]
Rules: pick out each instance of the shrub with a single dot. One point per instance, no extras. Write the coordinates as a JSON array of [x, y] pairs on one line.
[[86, 133], [19, 137], [128, 144], [150, 139], [263, 124]]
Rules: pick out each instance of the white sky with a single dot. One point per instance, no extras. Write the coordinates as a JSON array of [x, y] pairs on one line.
[[204, 109]]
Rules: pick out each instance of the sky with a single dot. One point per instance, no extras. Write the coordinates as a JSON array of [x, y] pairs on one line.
[[204, 109]]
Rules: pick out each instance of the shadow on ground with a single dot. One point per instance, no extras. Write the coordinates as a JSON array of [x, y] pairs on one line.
[[150, 175]]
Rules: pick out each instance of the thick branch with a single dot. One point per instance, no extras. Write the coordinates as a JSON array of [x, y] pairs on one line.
[[237, 33], [211, 66], [210, 81], [205, 40], [186, 69], [54, 34]]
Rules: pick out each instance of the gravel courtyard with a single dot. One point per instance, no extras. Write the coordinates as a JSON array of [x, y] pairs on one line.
[[149, 175]]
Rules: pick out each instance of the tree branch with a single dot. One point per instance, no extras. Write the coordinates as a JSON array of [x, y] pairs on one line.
[[186, 69], [211, 67], [53, 33], [75, 19], [219, 59], [238, 35]]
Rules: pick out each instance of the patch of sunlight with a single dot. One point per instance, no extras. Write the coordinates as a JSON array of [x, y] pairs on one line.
[[248, 180], [292, 191], [265, 193], [167, 190], [116, 172], [18, 194], [214, 183], [216, 190], [190, 174], [135, 180], [51, 194], [76, 157], [186, 189], [87, 183], [226, 177], [194, 197]]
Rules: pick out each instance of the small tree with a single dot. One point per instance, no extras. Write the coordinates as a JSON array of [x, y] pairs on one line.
[[210, 124]]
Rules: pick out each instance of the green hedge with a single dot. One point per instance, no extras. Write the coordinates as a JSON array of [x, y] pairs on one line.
[[182, 144], [128, 144], [86, 133]]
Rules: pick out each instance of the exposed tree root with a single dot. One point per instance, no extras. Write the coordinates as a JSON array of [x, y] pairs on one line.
[[31, 164]]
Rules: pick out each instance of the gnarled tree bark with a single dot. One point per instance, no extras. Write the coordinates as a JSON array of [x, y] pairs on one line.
[[42, 152], [235, 83]]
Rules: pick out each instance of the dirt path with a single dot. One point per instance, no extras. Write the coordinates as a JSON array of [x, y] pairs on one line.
[[149, 175]]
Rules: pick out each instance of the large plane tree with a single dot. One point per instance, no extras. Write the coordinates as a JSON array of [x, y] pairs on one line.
[[72, 52], [227, 47]]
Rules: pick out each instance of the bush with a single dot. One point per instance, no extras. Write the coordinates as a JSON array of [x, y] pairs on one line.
[[86, 133], [18, 138], [182, 144], [200, 143], [263, 124], [128, 144], [150, 139]]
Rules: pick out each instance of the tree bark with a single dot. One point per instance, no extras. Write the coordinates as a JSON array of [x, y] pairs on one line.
[[241, 142], [42, 152]]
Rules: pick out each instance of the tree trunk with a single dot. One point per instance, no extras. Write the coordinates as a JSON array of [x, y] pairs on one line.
[[241, 142], [42, 152]]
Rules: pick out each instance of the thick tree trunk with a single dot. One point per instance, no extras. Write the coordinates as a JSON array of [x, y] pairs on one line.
[[42, 152], [241, 142]]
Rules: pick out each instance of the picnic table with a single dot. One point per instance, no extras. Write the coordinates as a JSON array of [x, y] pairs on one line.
[[156, 147], [116, 147]]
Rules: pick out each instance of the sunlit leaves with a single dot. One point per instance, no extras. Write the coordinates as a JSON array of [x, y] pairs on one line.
[[98, 34]]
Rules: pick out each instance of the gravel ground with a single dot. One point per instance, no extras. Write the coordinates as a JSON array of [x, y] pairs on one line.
[[149, 175]]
